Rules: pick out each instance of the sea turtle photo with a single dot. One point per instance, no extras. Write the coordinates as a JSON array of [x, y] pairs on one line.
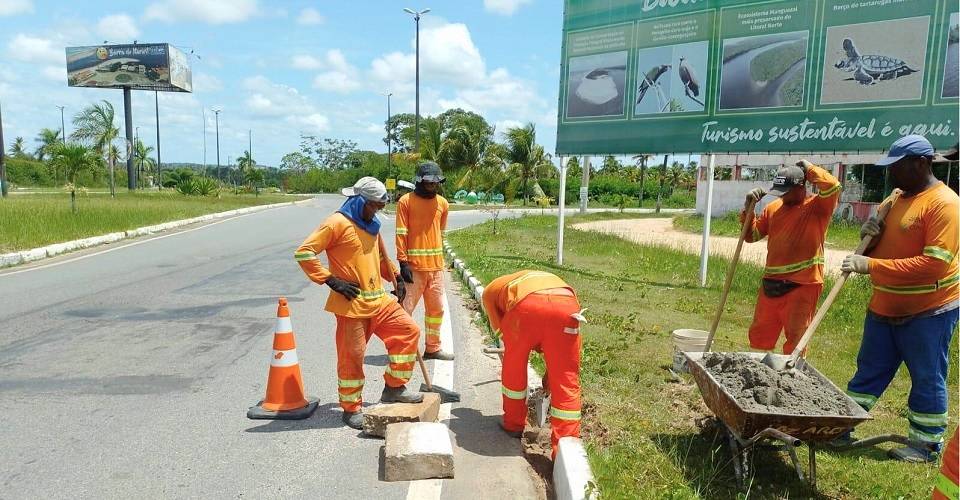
[[871, 68]]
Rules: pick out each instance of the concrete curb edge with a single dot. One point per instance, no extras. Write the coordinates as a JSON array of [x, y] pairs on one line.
[[571, 471], [45, 252]]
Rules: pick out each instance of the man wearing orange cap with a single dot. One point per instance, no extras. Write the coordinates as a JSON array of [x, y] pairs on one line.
[[351, 238], [421, 223], [536, 310], [795, 226]]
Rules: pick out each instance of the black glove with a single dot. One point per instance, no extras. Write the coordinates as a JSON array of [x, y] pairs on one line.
[[343, 287], [400, 289], [406, 273]]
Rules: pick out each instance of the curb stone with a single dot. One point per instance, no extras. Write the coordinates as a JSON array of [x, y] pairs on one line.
[[39, 253], [571, 471]]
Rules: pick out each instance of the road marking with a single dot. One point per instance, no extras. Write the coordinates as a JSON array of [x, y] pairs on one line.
[[428, 489], [135, 243]]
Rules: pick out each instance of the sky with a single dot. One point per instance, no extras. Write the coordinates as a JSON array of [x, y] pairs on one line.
[[280, 69]]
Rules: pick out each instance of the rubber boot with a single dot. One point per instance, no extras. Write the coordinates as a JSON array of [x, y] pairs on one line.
[[441, 355], [353, 419], [400, 395]]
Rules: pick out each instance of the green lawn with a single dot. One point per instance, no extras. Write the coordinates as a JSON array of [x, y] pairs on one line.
[[645, 435], [30, 221], [841, 235]]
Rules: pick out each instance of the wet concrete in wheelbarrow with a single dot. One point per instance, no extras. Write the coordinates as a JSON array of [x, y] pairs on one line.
[[759, 388]]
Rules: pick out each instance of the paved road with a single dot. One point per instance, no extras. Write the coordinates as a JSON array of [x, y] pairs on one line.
[[128, 372]]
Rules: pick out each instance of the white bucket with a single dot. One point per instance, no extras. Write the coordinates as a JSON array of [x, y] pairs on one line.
[[686, 339]]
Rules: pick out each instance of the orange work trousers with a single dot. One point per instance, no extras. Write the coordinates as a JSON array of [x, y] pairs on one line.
[[399, 334], [542, 321], [947, 482], [429, 285], [790, 313]]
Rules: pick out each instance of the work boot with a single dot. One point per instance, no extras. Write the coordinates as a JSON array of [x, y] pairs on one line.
[[845, 439], [918, 453], [513, 434], [441, 355], [353, 419], [400, 395]]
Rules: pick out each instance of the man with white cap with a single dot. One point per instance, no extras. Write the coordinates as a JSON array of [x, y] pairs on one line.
[[358, 266], [913, 310]]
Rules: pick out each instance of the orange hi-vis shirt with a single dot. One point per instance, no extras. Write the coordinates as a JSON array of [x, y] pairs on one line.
[[421, 223], [796, 234], [505, 292], [354, 255], [914, 265]]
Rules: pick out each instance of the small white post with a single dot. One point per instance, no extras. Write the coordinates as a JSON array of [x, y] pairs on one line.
[[707, 213], [560, 217]]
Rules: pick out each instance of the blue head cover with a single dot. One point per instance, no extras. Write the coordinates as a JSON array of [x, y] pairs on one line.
[[908, 145], [353, 210]]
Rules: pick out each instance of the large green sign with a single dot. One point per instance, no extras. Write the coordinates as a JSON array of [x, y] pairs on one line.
[[700, 76]]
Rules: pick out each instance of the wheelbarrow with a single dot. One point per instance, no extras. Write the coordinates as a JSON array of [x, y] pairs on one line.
[[746, 429]]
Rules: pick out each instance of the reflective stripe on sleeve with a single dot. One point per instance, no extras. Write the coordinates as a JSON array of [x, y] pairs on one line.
[[830, 191], [938, 253], [300, 256]]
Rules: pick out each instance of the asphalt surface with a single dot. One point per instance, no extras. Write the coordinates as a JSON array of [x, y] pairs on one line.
[[127, 370]]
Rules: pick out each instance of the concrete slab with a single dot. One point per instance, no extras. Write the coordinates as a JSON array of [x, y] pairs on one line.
[[571, 471], [377, 417], [417, 450]]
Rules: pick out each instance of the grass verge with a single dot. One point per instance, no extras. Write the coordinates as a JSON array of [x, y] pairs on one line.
[[840, 235], [30, 221], [646, 434]]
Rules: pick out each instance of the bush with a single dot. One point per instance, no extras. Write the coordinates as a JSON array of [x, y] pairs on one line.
[[25, 172]]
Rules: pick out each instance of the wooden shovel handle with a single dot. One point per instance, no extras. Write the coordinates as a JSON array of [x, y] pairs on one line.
[[748, 212], [827, 302]]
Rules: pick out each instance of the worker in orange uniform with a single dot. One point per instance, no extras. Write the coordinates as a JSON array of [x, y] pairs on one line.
[[535, 310], [795, 226], [913, 310], [421, 222], [361, 305]]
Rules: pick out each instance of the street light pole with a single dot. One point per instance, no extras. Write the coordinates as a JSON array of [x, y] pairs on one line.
[[3, 162], [63, 128], [216, 112], [389, 141], [416, 119], [203, 113]]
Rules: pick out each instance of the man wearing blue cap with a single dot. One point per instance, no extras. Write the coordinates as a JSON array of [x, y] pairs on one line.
[[913, 310]]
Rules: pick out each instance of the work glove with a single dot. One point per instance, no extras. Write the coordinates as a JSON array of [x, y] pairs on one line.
[[399, 288], [406, 273], [343, 287], [854, 263], [753, 196], [872, 227], [805, 166]]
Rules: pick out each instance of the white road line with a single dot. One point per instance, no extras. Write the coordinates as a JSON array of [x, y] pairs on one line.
[[87, 256], [430, 489]]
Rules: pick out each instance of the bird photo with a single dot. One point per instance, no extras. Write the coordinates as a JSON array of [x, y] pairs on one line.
[[669, 78]]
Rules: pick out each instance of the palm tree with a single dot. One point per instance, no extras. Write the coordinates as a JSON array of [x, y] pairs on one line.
[[17, 149], [528, 160], [245, 161], [431, 139], [46, 139], [94, 126], [73, 158], [145, 163], [254, 177], [641, 161], [466, 147]]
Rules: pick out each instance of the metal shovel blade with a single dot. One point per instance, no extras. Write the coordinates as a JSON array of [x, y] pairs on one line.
[[778, 362]]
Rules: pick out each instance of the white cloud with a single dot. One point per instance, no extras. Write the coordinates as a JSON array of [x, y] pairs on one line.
[[310, 17], [503, 125], [276, 100], [55, 73], [502, 91], [504, 7], [14, 7], [35, 49], [340, 76], [305, 62], [447, 55], [207, 11], [376, 128], [314, 122], [119, 27], [202, 82]]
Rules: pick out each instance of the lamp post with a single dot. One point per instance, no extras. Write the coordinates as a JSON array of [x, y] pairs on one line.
[[216, 112], [389, 141], [63, 128], [416, 119]]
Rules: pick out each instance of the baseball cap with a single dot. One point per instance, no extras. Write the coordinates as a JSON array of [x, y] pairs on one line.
[[369, 188], [786, 179], [908, 145], [429, 172], [406, 185]]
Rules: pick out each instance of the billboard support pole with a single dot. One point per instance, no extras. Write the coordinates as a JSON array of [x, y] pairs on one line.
[[562, 207], [584, 183], [156, 104], [128, 126], [3, 162], [707, 213]]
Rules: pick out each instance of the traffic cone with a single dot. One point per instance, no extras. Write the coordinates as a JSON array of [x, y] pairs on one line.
[[285, 399]]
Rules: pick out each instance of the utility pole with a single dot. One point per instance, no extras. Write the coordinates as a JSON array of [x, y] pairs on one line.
[[416, 119], [389, 141], [203, 113], [63, 128], [216, 112], [3, 160], [156, 104], [250, 143], [584, 184]]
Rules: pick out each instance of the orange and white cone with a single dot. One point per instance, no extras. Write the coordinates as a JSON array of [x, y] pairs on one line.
[[285, 399]]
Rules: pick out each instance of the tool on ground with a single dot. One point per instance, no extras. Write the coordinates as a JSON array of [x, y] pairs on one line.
[[779, 362], [285, 399], [730, 271]]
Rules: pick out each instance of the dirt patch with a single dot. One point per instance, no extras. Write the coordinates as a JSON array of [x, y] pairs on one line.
[[757, 387]]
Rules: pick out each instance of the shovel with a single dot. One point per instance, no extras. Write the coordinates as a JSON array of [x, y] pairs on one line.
[[730, 272], [780, 363]]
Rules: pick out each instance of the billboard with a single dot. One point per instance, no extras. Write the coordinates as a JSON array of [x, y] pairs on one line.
[[701, 76], [144, 66]]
